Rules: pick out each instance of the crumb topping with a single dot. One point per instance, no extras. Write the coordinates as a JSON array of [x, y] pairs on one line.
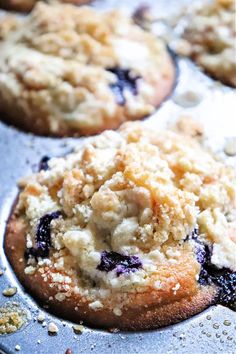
[[128, 201], [211, 35], [64, 61]]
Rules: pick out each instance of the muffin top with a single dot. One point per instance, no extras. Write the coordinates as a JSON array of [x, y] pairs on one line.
[[80, 69], [126, 203], [211, 32]]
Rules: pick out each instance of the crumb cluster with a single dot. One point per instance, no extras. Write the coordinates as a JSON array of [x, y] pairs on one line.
[[210, 36]]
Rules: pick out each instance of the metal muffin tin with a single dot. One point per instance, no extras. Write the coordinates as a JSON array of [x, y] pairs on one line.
[[212, 331]]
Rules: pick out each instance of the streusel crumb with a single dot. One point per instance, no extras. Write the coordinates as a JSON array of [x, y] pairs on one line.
[[72, 70], [211, 34]]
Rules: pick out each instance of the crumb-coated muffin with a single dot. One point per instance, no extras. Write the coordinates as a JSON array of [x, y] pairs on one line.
[[131, 230], [27, 5], [211, 37], [68, 70]]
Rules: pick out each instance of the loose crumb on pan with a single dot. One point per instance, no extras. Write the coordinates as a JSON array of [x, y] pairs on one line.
[[230, 146], [12, 317], [185, 124], [52, 328], [11, 291], [188, 99], [41, 317], [78, 329], [17, 347], [44, 324]]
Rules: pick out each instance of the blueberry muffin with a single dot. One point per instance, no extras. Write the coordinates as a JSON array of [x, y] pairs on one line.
[[210, 35], [27, 5], [68, 70], [133, 230]]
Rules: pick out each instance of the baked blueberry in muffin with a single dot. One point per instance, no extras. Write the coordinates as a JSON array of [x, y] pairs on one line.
[[210, 34], [135, 229], [68, 70]]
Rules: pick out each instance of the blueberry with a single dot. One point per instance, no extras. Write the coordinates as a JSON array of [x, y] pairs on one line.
[[192, 235], [123, 264], [43, 164], [200, 252], [227, 285], [43, 236], [224, 278], [124, 81], [140, 14]]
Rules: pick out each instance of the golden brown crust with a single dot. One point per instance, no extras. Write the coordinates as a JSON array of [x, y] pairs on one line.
[[133, 318], [27, 5]]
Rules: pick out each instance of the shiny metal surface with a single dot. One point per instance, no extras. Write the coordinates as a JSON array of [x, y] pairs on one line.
[[212, 331]]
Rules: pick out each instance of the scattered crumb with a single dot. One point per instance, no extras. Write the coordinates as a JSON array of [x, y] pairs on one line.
[[187, 99], [30, 270], [186, 125], [17, 347], [44, 324], [12, 318], [181, 47], [38, 341], [117, 311], [78, 329], [176, 287], [41, 317], [1, 272], [96, 305], [9, 291], [113, 330], [60, 297], [230, 146], [52, 328]]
